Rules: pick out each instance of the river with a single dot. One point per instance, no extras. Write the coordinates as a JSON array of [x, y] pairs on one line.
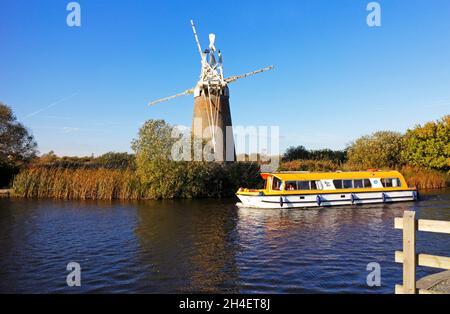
[[206, 246]]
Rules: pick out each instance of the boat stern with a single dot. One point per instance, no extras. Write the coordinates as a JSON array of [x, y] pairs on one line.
[[247, 196]]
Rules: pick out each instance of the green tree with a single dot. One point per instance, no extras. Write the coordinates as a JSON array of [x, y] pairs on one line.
[[328, 154], [17, 145], [295, 153], [428, 146], [301, 153], [114, 160], [380, 150], [162, 177]]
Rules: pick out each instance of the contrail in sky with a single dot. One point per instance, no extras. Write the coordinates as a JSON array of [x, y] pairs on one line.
[[49, 106]]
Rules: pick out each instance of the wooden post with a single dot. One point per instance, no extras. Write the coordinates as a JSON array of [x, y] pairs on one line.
[[409, 252]]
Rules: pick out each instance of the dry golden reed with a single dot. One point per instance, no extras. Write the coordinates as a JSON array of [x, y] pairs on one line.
[[183, 180], [424, 178], [60, 183]]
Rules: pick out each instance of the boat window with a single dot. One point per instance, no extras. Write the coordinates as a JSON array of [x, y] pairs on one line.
[[391, 182], [290, 185], [313, 185], [276, 184], [348, 184], [303, 185], [367, 183], [358, 184], [337, 184], [319, 185]]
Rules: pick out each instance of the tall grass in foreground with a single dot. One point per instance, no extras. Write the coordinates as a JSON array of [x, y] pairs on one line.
[[183, 180]]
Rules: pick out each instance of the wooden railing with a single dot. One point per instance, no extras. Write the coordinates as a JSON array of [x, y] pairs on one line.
[[409, 258]]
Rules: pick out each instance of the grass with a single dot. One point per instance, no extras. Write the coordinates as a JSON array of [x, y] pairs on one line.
[[424, 178], [190, 180], [60, 183]]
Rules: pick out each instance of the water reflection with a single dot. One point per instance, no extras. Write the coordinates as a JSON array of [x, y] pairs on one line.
[[206, 246], [191, 247]]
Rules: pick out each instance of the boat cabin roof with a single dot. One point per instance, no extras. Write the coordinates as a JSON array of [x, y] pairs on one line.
[[300, 175]]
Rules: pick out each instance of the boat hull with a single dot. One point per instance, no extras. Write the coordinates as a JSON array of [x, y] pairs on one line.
[[324, 200]]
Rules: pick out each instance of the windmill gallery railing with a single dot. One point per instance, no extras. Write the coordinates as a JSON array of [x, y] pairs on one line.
[[409, 258]]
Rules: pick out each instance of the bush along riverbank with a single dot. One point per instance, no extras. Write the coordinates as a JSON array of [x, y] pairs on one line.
[[150, 173], [176, 180], [421, 154]]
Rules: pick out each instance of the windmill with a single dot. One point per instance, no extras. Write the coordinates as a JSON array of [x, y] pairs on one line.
[[211, 101]]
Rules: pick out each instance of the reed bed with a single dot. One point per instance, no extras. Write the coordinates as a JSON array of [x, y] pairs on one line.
[[60, 183], [186, 180], [424, 178]]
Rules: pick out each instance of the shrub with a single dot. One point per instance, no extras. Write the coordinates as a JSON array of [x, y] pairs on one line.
[[301, 153], [310, 165], [428, 146], [380, 150]]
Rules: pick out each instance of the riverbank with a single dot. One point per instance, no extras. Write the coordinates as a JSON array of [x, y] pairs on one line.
[[176, 181], [192, 181]]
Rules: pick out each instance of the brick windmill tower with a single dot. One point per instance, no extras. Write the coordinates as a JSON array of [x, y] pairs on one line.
[[212, 115]]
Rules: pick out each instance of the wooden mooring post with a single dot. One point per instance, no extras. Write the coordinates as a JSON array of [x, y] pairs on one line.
[[409, 252], [408, 256]]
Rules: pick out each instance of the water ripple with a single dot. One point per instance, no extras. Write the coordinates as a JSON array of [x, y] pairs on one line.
[[205, 246]]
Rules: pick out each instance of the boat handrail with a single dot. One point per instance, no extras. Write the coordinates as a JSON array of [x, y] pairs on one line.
[[293, 172]]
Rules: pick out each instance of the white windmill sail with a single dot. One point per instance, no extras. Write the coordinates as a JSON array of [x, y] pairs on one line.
[[212, 39], [211, 80]]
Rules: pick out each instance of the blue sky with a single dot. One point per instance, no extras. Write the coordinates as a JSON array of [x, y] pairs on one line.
[[85, 90]]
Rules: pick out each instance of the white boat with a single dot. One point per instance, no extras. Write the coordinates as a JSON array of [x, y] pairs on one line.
[[322, 189]]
